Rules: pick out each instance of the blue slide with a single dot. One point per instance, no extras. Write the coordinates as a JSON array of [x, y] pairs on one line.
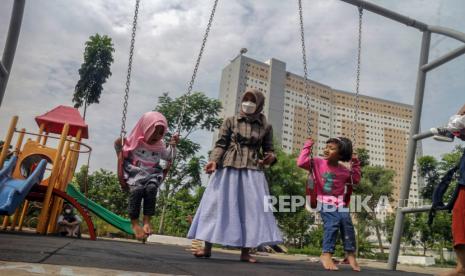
[[13, 191]]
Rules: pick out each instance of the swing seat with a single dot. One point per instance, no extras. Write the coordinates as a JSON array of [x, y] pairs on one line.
[[311, 191], [120, 167], [120, 172], [348, 194]]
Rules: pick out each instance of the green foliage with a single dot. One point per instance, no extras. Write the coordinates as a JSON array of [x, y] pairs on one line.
[[408, 231], [201, 113], [307, 250], [376, 182], [103, 188], [451, 159], [416, 231], [428, 168], [424, 233], [180, 210], [363, 156], [98, 57], [81, 179], [286, 179], [439, 234], [313, 242], [433, 170], [315, 237]]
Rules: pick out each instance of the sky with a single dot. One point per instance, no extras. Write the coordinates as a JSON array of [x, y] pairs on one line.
[[169, 35]]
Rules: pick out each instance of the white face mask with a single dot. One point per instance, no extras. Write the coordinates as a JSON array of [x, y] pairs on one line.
[[249, 107]]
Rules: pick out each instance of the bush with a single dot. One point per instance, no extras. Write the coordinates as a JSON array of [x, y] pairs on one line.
[[312, 251]]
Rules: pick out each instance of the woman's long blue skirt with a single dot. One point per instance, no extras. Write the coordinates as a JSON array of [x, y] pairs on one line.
[[232, 211]]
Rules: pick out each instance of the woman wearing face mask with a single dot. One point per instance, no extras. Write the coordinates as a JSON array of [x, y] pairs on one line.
[[232, 211], [68, 222]]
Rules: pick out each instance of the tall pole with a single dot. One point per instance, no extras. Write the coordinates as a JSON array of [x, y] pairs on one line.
[[412, 146], [10, 45]]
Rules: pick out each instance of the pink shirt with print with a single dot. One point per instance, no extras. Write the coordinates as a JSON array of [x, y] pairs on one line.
[[330, 180]]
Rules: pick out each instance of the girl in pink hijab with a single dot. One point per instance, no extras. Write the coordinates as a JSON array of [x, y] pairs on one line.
[[142, 152]]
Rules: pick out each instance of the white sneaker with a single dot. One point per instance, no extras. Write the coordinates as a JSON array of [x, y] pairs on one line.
[[442, 134]]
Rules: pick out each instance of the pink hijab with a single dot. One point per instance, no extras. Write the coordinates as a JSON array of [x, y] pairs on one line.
[[142, 131]]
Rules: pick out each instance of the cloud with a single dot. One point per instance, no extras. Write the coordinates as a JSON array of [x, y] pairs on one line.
[[168, 39]]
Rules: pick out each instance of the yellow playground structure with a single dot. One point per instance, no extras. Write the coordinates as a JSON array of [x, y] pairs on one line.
[[26, 177]]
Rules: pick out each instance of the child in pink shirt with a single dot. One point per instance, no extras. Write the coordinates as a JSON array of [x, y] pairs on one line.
[[331, 178]]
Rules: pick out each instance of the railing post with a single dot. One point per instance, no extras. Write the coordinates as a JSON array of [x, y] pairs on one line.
[[411, 149]]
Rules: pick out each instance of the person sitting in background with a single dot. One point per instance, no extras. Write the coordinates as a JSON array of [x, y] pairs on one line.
[[69, 223]]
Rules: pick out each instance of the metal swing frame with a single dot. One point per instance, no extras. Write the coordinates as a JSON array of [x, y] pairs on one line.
[[423, 68], [10, 45]]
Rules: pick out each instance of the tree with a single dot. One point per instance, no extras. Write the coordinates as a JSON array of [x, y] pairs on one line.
[[180, 209], [424, 233], [428, 168], [103, 188], [376, 182], [98, 57], [442, 233], [363, 156], [286, 179], [439, 234], [201, 113], [408, 231], [81, 179]]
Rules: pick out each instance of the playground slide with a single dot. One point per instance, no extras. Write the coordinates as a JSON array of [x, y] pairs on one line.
[[7, 169], [113, 219], [13, 191]]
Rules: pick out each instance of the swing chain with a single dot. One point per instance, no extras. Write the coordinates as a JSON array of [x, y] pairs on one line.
[[357, 82], [196, 67], [128, 77], [304, 62], [357, 86]]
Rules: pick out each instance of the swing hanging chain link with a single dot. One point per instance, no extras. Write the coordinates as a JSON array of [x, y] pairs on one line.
[[128, 77], [196, 67], [357, 86], [357, 81], [304, 62]]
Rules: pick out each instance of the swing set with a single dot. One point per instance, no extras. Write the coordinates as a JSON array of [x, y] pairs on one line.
[[414, 136], [120, 142], [424, 67]]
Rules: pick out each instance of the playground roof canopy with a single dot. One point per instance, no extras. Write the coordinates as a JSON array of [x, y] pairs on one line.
[[55, 119]]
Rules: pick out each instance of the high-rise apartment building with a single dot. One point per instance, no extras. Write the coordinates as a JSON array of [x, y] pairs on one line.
[[382, 127]]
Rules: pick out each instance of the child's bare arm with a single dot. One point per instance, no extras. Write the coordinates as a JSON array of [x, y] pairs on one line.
[[303, 161]]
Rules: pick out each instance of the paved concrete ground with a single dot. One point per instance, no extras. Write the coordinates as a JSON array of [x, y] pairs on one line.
[[35, 255]]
